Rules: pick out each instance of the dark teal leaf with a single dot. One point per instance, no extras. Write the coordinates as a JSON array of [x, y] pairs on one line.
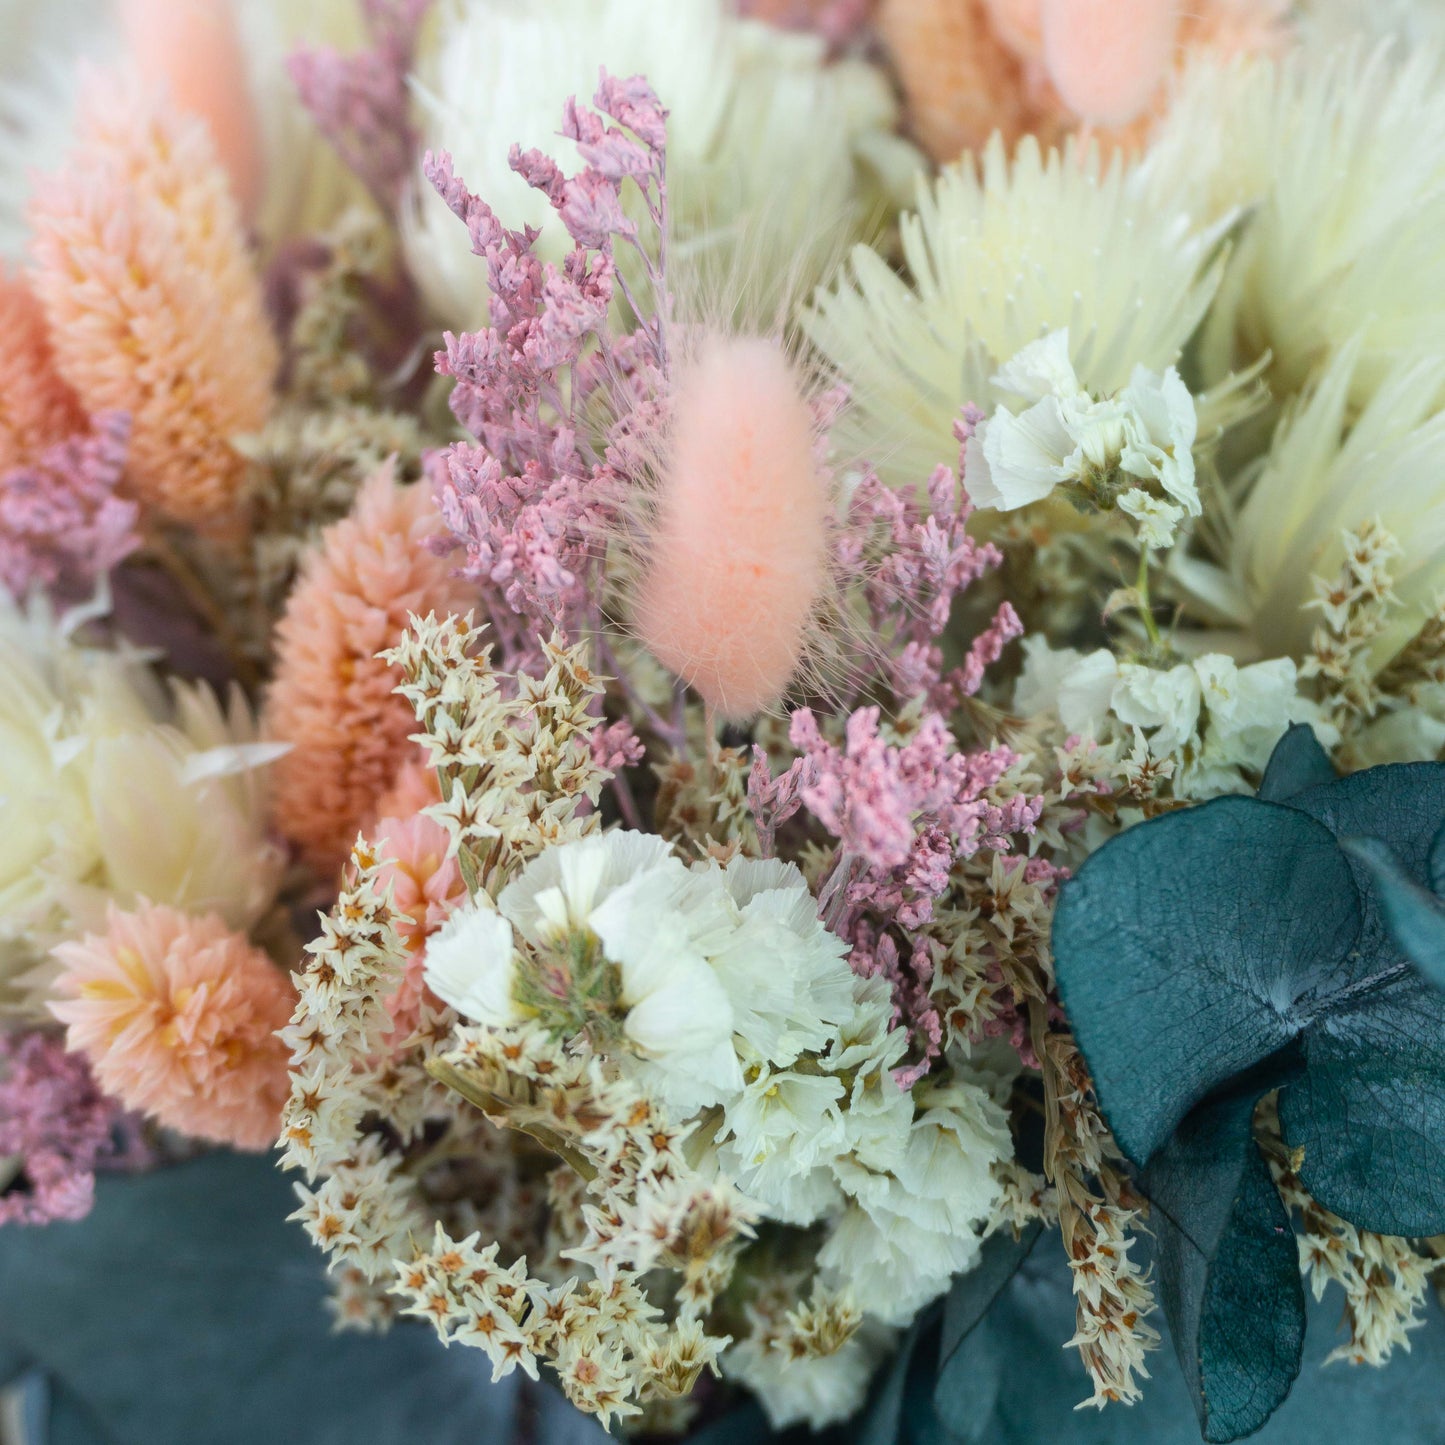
[[1399, 1403], [1369, 1109], [1194, 946], [881, 1422], [1402, 805], [1435, 874], [1413, 914], [1228, 1268], [970, 1370], [1182, 946], [186, 1309], [1298, 762]]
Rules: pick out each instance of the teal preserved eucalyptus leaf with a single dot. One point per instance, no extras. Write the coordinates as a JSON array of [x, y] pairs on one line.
[[1197, 947], [1228, 1268]]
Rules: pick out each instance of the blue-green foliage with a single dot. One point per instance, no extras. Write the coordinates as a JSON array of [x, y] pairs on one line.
[[1213, 954]]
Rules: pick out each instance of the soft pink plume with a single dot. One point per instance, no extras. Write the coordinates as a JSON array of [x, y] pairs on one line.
[[738, 555]]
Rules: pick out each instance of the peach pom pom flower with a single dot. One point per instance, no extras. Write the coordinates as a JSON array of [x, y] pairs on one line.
[[332, 696], [140, 264], [178, 1017], [37, 408]]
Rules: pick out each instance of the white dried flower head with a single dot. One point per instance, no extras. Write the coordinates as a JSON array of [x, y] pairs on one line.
[[1338, 155], [1065, 436], [470, 964], [111, 791], [1000, 256], [1329, 471], [766, 138], [1214, 721]]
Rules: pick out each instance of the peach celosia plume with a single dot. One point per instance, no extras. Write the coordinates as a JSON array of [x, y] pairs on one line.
[[738, 555], [154, 308], [332, 697], [37, 408], [194, 50], [177, 1015]]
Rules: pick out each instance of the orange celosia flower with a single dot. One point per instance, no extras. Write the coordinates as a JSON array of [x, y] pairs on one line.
[[37, 408], [332, 697], [140, 264], [177, 1015]]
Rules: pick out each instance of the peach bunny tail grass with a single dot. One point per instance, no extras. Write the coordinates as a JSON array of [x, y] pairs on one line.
[[154, 307], [737, 557], [1107, 58]]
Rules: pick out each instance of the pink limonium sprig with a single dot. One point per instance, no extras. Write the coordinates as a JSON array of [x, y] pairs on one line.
[[62, 526], [361, 103], [904, 812], [531, 500], [56, 1129]]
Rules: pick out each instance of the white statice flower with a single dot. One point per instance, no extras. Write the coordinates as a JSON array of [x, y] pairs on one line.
[[1215, 720], [910, 1230], [1329, 471], [812, 1390], [785, 974], [1337, 157], [470, 963], [770, 146], [1064, 435], [112, 791], [1000, 254]]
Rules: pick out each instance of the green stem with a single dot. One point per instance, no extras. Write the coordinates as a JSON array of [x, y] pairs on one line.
[[1141, 587]]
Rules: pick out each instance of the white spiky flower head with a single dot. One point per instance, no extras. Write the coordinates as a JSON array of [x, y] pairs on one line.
[[1337, 155], [1000, 255], [1326, 474], [770, 146]]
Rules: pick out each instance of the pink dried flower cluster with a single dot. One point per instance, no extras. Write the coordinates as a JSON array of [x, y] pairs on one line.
[[916, 560], [62, 526], [178, 1018], [532, 503], [361, 102], [58, 1128]]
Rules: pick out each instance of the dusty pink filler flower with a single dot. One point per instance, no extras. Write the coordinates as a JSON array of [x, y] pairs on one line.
[[62, 526], [178, 1018], [361, 103], [904, 813], [58, 1128]]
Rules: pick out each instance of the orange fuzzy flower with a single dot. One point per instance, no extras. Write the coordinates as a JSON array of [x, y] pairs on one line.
[[37, 408], [177, 1016], [140, 264], [332, 696]]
